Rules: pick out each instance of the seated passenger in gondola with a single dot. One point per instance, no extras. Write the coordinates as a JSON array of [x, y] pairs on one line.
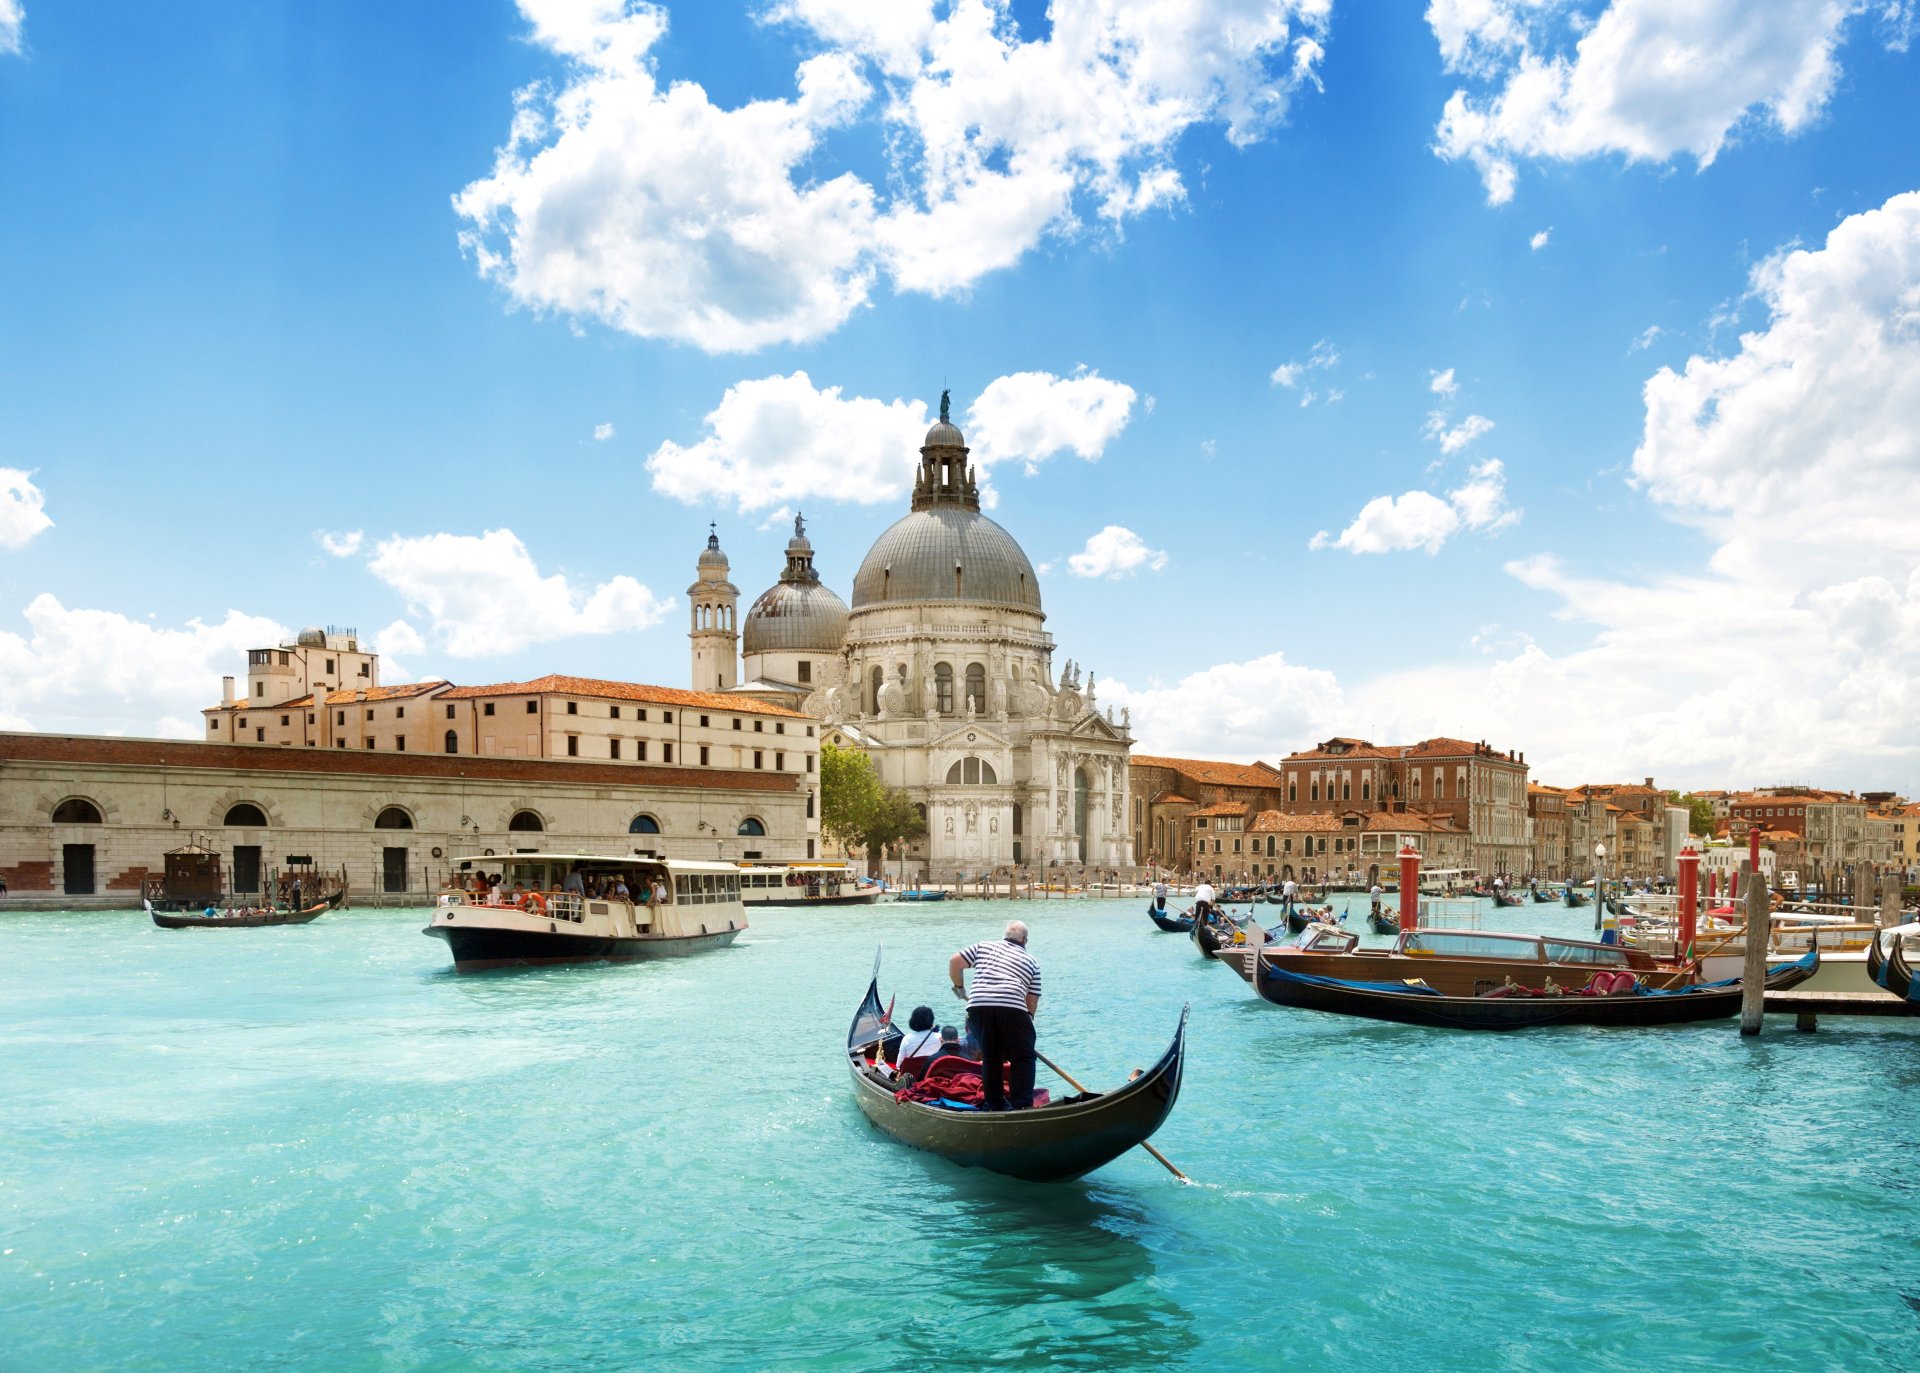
[[952, 1046], [921, 1045]]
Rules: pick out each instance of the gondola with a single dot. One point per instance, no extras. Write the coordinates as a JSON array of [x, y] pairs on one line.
[[253, 920], [1417, 1004], [1208, 936], [1383, 921], [1053, 1143], [1172, 924], [1545, 897], [1876, 962], [1574, 898], [1900, 979], [1503, 898]]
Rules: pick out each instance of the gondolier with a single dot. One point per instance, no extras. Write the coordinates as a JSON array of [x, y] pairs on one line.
[[1203, 899], [1160, 895], [1000, 1008]]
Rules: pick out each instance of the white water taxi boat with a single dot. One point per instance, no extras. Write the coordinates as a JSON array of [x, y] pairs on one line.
[[668, 908], [804, 884]]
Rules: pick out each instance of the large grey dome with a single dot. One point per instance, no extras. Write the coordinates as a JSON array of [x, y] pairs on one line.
[[916, 558]]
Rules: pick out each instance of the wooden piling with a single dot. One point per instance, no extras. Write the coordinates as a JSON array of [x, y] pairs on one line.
[[1753, 976]]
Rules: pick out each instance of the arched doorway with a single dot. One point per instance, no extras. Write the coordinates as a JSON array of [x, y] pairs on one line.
[[1080, 799]]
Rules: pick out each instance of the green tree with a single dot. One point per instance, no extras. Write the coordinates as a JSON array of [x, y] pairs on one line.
[[858, 809], [1699, 812]]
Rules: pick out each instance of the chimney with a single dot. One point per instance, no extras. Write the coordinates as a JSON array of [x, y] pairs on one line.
[[1649, 784], [226, 691]]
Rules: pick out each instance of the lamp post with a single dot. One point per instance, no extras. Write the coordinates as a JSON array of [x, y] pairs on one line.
[[1599, 884]]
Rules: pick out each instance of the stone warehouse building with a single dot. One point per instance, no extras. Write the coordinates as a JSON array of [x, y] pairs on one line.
[[84, 820], [941, 669]]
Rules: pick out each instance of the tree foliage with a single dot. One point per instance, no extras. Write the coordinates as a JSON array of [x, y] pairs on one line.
[[1699, 812], [858, 809]]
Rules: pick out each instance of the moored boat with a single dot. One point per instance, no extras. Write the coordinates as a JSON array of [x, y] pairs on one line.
[[803, 884], [1467, 962], [1057, 1142], [921, 894], [1900, 979], [671, 908], [1603, 1001]]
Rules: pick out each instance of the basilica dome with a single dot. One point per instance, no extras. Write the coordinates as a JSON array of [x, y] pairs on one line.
[[945, 549], [797, 612]]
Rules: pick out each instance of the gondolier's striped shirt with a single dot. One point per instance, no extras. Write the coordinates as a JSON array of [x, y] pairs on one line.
[[1004, 974]]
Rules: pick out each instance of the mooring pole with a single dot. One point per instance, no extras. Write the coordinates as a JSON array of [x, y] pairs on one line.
[[1689, 922], [1753, 976], [1409, 887]]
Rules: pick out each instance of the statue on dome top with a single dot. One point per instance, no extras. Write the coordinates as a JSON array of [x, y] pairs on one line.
[[799, 526], [945, 401]]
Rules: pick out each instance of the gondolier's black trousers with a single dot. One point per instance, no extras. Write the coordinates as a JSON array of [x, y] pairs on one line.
[[1006, 1038]]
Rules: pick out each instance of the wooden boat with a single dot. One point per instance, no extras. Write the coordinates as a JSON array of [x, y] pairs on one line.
[[1876, 963], [1507, 898], [701, 911], [1383, 921], [918, 894], [246, 918], [1054, 1143], [1468, 962], [1172, 924], [1545, 897], [1900, 979], [1209, 936], [1574, 898], [1302, 916], [1413, 1002]]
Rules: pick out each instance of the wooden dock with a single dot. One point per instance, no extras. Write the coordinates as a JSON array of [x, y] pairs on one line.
[[1807, 1007]]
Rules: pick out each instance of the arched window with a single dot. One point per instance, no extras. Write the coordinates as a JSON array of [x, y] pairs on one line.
[[977, 688], [943, 688], [877, 678], [526, 820], [752, 827], [246, 815], [78, 811], [971, 772], [453, 741], [393, 818], [643, 824]]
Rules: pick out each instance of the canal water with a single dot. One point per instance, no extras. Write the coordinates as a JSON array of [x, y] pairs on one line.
[[316, 1147]]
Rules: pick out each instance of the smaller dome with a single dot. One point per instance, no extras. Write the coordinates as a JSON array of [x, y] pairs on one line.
[[711, 556], [944, 434], [312, 637], [804, 616]]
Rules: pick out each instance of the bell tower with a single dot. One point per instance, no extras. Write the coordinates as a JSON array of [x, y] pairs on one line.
[[715, 631]]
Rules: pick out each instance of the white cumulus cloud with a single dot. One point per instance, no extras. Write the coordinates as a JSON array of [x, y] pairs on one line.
[[1322, 356], [12, 17], [782, 440], [398, 641], [1647, 80], [102, 672], [1452, 438], [1539, 240], [1266, 707], [343, 544], [602, 432], [637, 201], [1115, 552], [23, 508], [1422, 520], [1442, 383], [482, 594]]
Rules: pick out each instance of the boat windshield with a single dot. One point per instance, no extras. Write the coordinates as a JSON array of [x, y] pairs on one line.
[[1470, 944], [1601, 954]]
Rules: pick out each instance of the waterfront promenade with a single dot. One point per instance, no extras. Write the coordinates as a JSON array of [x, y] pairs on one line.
[[315, 1147]]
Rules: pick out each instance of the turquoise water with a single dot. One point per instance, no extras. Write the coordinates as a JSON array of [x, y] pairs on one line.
[[315, 1147]]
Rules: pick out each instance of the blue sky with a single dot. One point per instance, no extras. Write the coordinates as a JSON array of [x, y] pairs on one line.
[[1537, 371]]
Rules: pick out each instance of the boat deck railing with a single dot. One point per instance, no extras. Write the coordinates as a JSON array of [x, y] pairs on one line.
[[1442, 913]]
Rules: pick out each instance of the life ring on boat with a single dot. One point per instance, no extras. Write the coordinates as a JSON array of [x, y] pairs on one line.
[[536, 903]]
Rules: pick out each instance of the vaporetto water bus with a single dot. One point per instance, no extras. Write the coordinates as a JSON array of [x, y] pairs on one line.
[[537, 914], [804, 884]]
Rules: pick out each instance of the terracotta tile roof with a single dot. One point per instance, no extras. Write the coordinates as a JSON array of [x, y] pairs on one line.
[[1348, 748], [1172, 798], [1277, 822], [554, 684], [1223, 808], [1452, 748], [344, 697], [1215, 773], [1388, 822]]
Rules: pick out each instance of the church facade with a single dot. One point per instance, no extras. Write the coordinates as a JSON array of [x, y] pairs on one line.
[[941, 670]]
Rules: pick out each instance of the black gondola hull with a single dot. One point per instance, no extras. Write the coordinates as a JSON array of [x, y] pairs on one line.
[[1172, 924]]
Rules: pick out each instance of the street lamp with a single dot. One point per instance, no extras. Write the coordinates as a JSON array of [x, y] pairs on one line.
[[1599, 883]]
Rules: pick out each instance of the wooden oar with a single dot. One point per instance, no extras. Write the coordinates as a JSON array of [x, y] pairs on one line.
[[1165, 1162]]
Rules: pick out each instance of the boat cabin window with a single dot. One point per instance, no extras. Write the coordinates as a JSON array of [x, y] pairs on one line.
[[1456, 944], [1600, 954]]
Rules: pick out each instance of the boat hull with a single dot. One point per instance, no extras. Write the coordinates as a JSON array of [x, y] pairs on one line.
[[168, 920], [1172, 924], [865, 898], [477, 948]]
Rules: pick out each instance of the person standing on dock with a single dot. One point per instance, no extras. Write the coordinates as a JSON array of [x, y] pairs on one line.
[[1000, 1011]]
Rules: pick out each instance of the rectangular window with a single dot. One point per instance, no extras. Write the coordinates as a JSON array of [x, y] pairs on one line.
[[779, 726], [666, 753], [573, 746], [757, 758], [640, 750], [640, 715], [286, 719], [367, 742], [613, 712], [339, 717], [339, 743], [759, 726], [449, 712], [666, 717], [736, 722], [806, 672], [809, 731], [399, 712], [399, 743], [779, 762], [369, 713], [809, 762], [573, 707], [703, 722], [487, 709], [329, 665], [259, 735], [613, 747], [703, 755], [309, 717], [364, 669], [533, 707]]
